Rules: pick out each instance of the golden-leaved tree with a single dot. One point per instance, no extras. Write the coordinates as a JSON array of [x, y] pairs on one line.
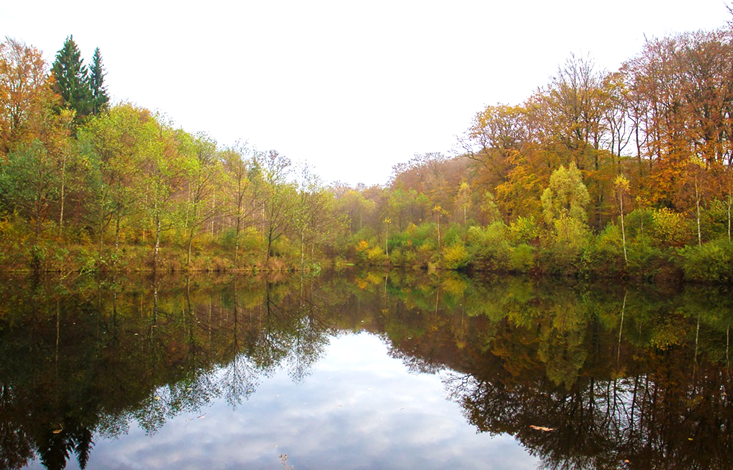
[[563, 207]]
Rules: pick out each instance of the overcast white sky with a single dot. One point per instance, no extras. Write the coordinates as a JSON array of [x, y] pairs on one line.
[[351, 87]]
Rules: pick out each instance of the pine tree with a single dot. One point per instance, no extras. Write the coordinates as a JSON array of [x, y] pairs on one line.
[[100, 99], [72, 82]]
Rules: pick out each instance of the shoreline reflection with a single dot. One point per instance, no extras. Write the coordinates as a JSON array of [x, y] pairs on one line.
[[580, 376]]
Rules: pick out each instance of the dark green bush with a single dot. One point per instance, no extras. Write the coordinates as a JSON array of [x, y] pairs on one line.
[[711, 262]]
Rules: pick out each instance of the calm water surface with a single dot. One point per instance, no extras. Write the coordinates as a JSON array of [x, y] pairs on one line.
[[367, 370]]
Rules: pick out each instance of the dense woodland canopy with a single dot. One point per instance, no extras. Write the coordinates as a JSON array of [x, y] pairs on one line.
[[624, 173]]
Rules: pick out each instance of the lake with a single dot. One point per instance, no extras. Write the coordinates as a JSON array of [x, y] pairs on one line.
[[362, 370]]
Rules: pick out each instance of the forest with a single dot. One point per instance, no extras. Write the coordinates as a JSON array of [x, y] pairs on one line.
[[623, 174]]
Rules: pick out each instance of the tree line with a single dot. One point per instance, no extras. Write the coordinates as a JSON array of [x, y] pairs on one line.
[[88, 185], [622, 173]]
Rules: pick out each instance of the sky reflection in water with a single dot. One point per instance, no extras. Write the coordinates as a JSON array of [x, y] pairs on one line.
[[358, 408], [231, 373]]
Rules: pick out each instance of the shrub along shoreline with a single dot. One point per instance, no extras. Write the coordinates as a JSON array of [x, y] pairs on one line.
[[496, 249]]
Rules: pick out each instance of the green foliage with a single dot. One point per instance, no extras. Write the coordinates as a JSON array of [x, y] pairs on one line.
[[375, 255], [29, 183], [250, 240], [537, 338], [639, 222], [670, 229], [414, 246], [489, 208], [229, 238], [711, 262], [398, 258], [455, 256], [715, 220], [423, 232], [563, 204], [127, 178], [38, 254], [566, 196], [405, 239], [99, 97], [72, 82], [645, 260], [489, 247], [522, 258], [407, 206], [564, 245], [426, 253], [453, 235], [284, 248], [89, 262], [604, 254], [27, 168], [524, 230]]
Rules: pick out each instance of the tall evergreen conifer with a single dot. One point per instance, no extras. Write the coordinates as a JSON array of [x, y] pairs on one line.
[[72, 82], [100, 99]]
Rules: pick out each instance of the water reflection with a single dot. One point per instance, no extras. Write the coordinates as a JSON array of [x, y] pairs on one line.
[[581, 376]]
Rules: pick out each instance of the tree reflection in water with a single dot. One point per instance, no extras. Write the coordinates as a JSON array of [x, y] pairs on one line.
[[582, 376]]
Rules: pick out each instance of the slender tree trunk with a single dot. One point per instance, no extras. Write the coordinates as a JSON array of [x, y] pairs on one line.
[[641, 228], [623, 228], [58, 335], [101, 227], [697, 342], [156, 250], [143, 230], [727, 348], [37, 210], [269, 247], [117, 235], [236, 315], [213, 208], [240, 202], [440, 238], [188, 252], [191, 227], [63, 195], [236, 240], [621, 328], [269, 213], [632, 419], [638, 150], [697, 206], [302, 249], [154, 316], [730, 202]]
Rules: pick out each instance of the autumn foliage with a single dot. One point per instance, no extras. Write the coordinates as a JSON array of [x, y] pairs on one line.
[[624, 173], [649, 149]]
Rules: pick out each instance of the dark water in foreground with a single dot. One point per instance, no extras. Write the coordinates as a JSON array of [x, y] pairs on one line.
[[362, 371]]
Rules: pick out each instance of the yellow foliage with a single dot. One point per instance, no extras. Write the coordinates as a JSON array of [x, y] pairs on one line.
[[455, 256], [376, 255]]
